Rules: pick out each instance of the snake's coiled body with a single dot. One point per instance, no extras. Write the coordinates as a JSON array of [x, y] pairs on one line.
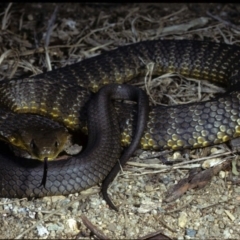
[[21, 178], [190, 125]]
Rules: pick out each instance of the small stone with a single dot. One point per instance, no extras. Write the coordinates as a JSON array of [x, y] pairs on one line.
[[75, 205], [222, 174], [166, 180], [154, 212], [30, 17], [144, 208], [42, 230], [202, 231], [182, 220], [149, 188], [176, 155], [190, 232], [211, 163], [226, 233], [112, 227], [15, 210], [221, 225], [219, 211], [32, 214], [224, 198], [210, 218], [54, 227], [72, 225], [74, 149], [39, 215]]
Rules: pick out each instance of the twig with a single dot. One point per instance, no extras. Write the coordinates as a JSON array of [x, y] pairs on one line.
[[177, 209], [47, 39], [6, 17], [227, 23], [50, 26], [93, 228]]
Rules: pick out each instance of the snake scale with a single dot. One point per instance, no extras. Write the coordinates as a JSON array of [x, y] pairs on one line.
[[183, 126]]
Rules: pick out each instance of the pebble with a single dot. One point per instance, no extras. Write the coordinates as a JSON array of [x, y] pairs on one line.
[[222, 174], [167, 180], [41, 230], [219, 211], [211, 162], [226, 233], [237, 190], [190, 232], [74, 207], [55, 227], [221, 225], [182, 220], [202, 232], [177, 155], [30, 17], [72, 225], [209, 218]]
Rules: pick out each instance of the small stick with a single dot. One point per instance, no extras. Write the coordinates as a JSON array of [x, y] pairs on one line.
[[93, 228], [227, 23]]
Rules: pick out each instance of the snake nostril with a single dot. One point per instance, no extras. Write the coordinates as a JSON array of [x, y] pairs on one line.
[[56, 144], [32, 144]]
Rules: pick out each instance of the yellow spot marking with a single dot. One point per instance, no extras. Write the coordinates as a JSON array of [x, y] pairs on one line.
[[204, 133], [197, 145], [201, 140], [223, 128], [217, 141], [94, 87], [226, 138], [180, 143], [150, 142], [54, 115], [144, 144], [12, 140], [220, 135], [125, 139], [147, 135], [175, 147], [43, 110], [205, 144], [170, 143], [175, 137], [106, 81]]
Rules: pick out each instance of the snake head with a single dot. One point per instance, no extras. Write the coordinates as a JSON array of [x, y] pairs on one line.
[[43, 142]]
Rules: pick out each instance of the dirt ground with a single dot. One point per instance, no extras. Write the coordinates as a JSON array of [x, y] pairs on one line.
[[39, 37]]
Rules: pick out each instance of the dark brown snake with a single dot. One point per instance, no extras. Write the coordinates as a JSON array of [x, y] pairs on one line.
[[183, 126]]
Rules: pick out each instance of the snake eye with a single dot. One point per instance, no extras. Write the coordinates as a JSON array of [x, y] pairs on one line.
[[32, 144], [56, 144]]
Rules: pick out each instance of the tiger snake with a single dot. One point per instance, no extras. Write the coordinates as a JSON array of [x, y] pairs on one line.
[[191, 125]]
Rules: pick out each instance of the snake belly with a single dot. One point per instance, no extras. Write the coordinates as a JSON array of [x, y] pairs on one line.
[[176, 127], [20, 177]]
